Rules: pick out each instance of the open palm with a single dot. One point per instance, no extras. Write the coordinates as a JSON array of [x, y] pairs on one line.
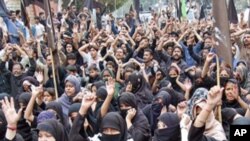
[[9, 111]]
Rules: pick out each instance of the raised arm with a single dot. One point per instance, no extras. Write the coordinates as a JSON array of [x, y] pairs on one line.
[[110, 87]]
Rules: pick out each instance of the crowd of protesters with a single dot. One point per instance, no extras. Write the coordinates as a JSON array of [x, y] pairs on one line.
[[120, 79]]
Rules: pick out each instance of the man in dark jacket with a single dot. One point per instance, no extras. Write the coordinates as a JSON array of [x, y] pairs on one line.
[[17, 73]]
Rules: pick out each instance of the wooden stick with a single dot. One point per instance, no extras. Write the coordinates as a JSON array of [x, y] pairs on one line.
[[54, 73], [218, 84]]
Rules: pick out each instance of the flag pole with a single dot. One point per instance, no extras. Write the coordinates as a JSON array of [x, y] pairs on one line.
[[51, 43], [218, 84]]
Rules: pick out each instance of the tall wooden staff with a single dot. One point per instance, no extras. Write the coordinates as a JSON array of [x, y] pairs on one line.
[[51, 44]]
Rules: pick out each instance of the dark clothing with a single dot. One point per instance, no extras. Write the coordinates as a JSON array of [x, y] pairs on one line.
[[172, 132], [15, 81], [4, 79], [141, 89], [166, 61], [55, 128], [77, 132], [196, 134]]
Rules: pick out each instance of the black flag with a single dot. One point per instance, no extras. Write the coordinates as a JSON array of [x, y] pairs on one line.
[[222, 37], [232, 13], [178, 9], [202, 12]]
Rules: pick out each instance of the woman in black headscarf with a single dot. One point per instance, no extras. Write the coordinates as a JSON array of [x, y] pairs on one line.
[[140, 130], [168, 128], [154, 110], [113, 127], [23, 128], [57, 108], [54, 128], [138, 86]]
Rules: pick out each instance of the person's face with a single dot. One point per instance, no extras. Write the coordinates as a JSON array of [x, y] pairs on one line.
[[119, 54], [17, 70], [93, 73], [26, 87], [73, 116], [106, 75], [246, 40], [67, 40], [110, 67], [138, 37], [170, 51], [37, 21], [47, 97], [208, 43], [73, 8], [173, 73], [93, 89], [230, 89], [127, 74], [69, 89], [205, 53], [49, 60], [177, 54], [144, 42], [224, 74], [13, 16], [233, 51], [191, 37], [69, 48], [147, 57], [110, 131], [93, 52], [45, 136], [125, 107], [161, 125], [129, 87], [71, 61]]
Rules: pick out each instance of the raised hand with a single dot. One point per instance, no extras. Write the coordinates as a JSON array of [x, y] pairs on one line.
[[210, 57], [36, 90], [10, 113], [188, 84], [181, 108], [131, 114], [110, 86], [142, 66], [214, 95], [87, 101], [39, 76]]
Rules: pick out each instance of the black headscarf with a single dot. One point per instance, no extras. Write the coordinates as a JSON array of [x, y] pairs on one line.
[[24, 98], [140, 123], [98, 84], [172, 132], [55, 128], [101, 93], [75, 107], [154, 111], [141, 89], [115, 121], [58, 108], [3, 125], [176, 97]]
